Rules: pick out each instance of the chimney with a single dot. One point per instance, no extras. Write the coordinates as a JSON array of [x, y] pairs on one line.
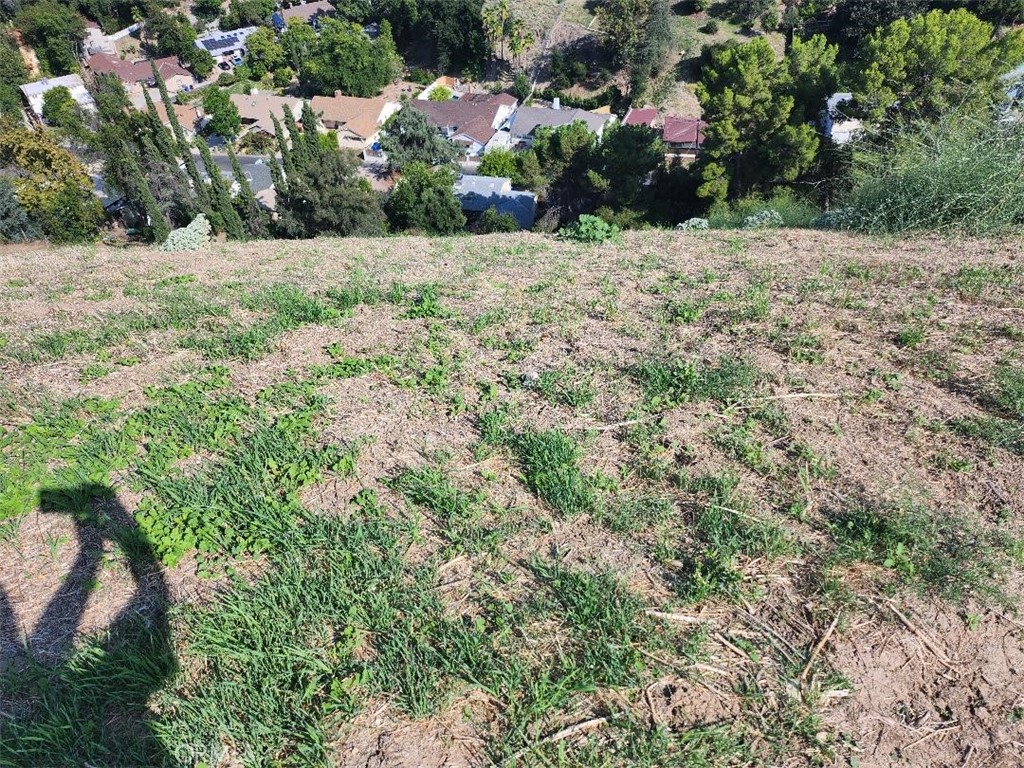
[[556, 103]]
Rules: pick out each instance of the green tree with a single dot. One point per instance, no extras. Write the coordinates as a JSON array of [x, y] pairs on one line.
[[622, 24], [283, 147], [424, 200], [329, 198], [498, 162], [170, 34], [927, 65], [247, 13], [854, 20], [621, 165], [312, 147], [224, 118], [163, 139], [746, 12], [15, 224], [62, 111], [409, 137], [184, 151], [51, 185], [345, 59], [265, 53], [754, 139], [220, 194], [254, 218], [456, 30], [298, 40], [54, 30], [813, 73], [206, 10], [12, 74], [402, 15]]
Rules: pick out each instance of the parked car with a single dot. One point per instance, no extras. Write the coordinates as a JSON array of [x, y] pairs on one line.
[[224, 66], [237, 61]]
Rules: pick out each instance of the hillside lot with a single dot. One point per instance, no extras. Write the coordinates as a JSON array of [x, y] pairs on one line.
[[693, 499]]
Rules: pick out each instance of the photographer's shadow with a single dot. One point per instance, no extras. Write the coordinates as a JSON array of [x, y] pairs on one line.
[[63, 703]]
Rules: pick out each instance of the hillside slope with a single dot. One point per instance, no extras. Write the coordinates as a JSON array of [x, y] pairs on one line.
[[713, 499]]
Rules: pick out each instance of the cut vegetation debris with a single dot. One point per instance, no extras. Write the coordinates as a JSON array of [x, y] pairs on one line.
[[687, 499]]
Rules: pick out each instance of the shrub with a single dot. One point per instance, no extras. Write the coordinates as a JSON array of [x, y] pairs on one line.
[[711, 28], [492, 221], [693, 224], [591, 229], [441, 93], [959, 175], [190, 238], [767, 218], [700, 6], [793, 210]]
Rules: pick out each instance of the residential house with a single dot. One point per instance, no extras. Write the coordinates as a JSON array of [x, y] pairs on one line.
[[355, 121], [311, 13], [472, 121], [98, 42], [683, 137], [226, 46], [478, 193], [136, 75], [835, 123], [256, 172], [190, 116], [34, 93], [256, 109], [527, 120]]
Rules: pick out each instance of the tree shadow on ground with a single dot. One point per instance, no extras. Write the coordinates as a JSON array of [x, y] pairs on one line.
[[68, 704]]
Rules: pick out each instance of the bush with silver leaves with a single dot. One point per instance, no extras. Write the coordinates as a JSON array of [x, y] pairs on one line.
[[190, 238], [837, 218], [769, 218], [693, 224]]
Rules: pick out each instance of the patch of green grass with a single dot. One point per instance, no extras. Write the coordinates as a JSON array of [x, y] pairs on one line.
[[634, 512], [607, 621], [684, 311], [950, 554], [458, 514], [910, 336], [550, 462], [1007, 434], [668, 382], [427, 304], [970, 281], [723, 528], [566, 386], [282, 308]]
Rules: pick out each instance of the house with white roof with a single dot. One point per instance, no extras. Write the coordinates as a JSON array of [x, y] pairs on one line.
[[34, 92], [835, 123]]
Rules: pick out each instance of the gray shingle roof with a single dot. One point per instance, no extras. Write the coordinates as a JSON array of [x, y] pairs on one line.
[[528, 119]]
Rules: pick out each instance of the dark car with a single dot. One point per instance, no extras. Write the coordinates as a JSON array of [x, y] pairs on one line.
[[224, 66]]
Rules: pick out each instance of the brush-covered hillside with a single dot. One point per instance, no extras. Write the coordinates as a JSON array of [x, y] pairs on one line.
[[712, 499]]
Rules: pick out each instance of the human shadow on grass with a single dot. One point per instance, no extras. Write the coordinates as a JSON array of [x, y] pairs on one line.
[[68, 704]]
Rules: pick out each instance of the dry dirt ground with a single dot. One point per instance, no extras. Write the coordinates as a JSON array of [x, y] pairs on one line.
[[867, 351]]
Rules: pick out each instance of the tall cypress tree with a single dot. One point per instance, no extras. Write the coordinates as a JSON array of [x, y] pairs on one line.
[[252, 214], [282, 145], [310, 134], [158, 225], [184, 150], [221, 194], [298, 152], [280, 185], [162, 137]]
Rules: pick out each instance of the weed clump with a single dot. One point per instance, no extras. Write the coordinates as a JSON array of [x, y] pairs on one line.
[[668, 382]]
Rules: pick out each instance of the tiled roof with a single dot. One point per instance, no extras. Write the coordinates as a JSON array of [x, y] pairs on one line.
[[135, 71], [258, 107]]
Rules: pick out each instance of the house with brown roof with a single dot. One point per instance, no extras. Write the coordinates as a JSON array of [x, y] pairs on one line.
[[683, 137], [191, 117], [355, 121], [311, 13], [472, 121], [134, 75], [645, 116], [256, 109]]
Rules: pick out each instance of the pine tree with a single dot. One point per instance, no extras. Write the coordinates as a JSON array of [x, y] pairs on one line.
[[185, 151], [252, 214], [221, 193], [156, 220], [280, 185]]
